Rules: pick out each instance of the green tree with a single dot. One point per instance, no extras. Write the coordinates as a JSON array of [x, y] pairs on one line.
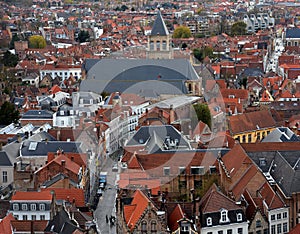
[[200, 54], [238, 28], [9, 59], [37, 41], [203, 113], [8, 114], [83, 36], [182, 32]]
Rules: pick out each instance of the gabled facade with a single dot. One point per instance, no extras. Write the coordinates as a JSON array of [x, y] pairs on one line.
[[32, 205], [141, 216], [219, 214]]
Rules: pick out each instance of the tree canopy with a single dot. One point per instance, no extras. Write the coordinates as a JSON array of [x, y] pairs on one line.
[[200, 54], [83, 36], [238, 28], [182, 32], [37, 42], [203, 113], [9, 59], [8, 114]]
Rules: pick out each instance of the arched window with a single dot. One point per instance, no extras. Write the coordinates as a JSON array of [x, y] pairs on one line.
[[144, 226], [158, 45], [153, 227], [224, 216]]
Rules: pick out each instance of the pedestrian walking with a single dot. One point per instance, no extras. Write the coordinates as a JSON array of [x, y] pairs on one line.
[[106, 219]]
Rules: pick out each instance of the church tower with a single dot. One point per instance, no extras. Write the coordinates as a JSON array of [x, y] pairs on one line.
[[159, 40]]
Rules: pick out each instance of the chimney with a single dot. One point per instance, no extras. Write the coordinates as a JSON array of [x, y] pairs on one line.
[[63, 163], [172, 114], [58, 135]]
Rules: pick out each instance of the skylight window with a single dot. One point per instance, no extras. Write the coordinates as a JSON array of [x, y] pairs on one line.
[[32, 146]]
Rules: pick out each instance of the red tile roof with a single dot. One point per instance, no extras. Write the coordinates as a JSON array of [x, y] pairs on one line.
[[176, 215], [270, 197], [5, 227], [32, 196], [295, 230], [134, 211], [72, 194], [235, 158], [251, 121], [28, 225], [214, 200]]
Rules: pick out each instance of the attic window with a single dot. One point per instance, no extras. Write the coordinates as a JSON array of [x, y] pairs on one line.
[[239, 217], [197, 170], [262, 162], [224, 216], [166, 171], [209, 221]]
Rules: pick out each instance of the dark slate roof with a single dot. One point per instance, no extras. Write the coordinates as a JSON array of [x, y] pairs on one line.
[[61, 223], [157, 138], [283, 166], [4, 160], [159, 27], [166, 76], [57, 178], [282, 134], [38, 114], [33, 148], [292, 33]]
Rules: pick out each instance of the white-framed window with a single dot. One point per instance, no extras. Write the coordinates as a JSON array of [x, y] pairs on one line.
[[15, 206], [166, 171], [279, 228], [182, 170], [42, 206], [4, 177], [272, 217], [25, 217], [239, 217], [42, 217], [284, 215], [285, 227], [209, 221], [33, 217], [33, 207], [184, 227], [279, 216], [224, 216], [197, 170], [24, 207]]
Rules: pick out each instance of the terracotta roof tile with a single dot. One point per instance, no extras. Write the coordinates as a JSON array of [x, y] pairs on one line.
[[251, 121], [270, 197], [295, 230], [234, 159], [69, 195], [28, 196], [26, 225], [214, 200], [176, 215], [5, 227], [134, 211]]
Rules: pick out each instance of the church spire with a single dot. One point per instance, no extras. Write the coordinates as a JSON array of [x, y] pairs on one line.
[[159, 26]]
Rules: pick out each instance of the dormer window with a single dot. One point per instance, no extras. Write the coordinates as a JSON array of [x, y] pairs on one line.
[[15, 206], [239, 217], [24, 206], [209, 221], [224, 216]]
